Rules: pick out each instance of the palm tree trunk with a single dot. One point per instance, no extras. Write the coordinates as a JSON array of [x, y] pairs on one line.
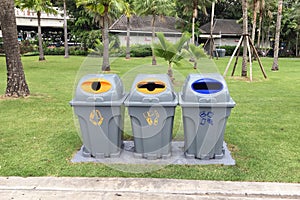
[[16, 82], [128, 39], [153, 37], [211, 42], [193, 30], [245, 35], [297, 42], [41, 50], [259, 29], [195, 64], [170, 72], [275, 66], [105, 63], [255, 7], [66, 31], [195, 14]]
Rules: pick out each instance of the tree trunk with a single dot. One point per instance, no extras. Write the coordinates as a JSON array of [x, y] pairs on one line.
[[275, 66], [245, 33], [255, 7], [195, 14], [259, 28], [195, 64], [211, 43], [153, 37], [297, 42], [16, 82], [105, 63], [128, 39], [170, 72], [193, 30], [66, 31], [41, 50]]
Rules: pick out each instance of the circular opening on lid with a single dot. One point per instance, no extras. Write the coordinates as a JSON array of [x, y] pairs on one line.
[[96, 85]]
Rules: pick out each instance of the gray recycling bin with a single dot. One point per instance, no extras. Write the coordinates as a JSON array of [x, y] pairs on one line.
[[206, 105], [151, 107], [98, 103], [221, 52]]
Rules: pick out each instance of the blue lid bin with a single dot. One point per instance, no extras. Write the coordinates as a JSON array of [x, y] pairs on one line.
[[98, 104], [206, 105]]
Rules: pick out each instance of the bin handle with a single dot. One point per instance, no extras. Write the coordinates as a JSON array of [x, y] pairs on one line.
[[207, 100], [98, 99], [152, 100]]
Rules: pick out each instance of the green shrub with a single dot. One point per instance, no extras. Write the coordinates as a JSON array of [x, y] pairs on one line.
[[33, 53], [26, 46], [77, 51], [230, 50], [54, 51], [140, 50]]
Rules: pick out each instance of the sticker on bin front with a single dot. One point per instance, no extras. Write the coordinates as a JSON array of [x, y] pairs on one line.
[[96, 117], [96, 85], [151, 86], [206, 117], [151, 117]]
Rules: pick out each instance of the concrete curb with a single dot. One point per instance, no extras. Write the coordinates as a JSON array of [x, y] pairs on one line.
[[136, 188]]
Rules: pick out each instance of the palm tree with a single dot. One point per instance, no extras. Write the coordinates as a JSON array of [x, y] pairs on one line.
[[265, 16], [38, 6], [255, 4], [103, 8], [261, 6], [172, 53], [66, 31], [154, 8], [197, 52], [16, 82], [296, 14], [245, 32], [192, 6], [129, 10], [277, 36]]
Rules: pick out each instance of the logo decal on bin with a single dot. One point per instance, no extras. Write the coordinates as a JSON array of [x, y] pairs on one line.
[[151, 117], [206, 117], [96, 117]]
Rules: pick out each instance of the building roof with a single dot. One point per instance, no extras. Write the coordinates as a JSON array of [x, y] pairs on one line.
[[143, 24], [224, 27]]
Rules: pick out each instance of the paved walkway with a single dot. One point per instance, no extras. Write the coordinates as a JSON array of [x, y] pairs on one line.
[[145, 189]]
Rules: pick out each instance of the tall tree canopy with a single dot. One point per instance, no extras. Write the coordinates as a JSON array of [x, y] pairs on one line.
[[38, 6], [154, 8], [103, 8]]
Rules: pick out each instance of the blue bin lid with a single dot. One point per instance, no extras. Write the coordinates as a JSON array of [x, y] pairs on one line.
[[205, 88]]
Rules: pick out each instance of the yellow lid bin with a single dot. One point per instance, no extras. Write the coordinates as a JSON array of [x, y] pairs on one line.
[[98, 103], [151, 106]]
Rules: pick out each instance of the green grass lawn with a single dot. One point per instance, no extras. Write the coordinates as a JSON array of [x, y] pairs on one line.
[[38, 136]]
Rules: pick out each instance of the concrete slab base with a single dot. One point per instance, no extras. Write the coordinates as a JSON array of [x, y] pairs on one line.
[[177, 157]]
